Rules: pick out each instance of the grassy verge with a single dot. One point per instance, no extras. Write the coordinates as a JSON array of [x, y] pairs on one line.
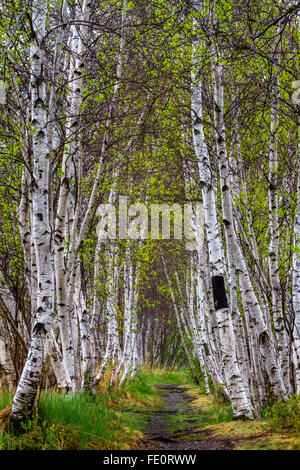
[[279, 430], [213, 410], [113, 419], [5, 398], [72, 422], [116, 418]]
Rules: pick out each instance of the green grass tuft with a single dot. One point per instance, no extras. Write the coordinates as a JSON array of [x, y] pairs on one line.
[[72, 422], [5, 398]]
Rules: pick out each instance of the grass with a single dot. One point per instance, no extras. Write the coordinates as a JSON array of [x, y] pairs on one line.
[[5, 398], [280, 430], [94, 425], [275, 442], [116, 418], [201, 412], [79, 421], [153, 377], [72, 422], [214, 409], [142, 396]]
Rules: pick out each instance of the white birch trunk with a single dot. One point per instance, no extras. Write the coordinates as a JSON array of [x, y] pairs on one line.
[[56, 360], [183, 341], [282, 346], [296, 277], [86, 338], [6, 364], [41, 233], [240, 399], [236, 258], [112, 344], [68, 212]]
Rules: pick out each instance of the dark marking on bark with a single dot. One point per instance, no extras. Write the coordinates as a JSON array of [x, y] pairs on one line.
[[264, 338], [219, 292], [58, 238], [39, 102], [41, 134], [40, 328]]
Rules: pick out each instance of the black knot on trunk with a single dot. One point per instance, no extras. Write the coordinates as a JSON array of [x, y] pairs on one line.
[[219, 292], [40, 328]]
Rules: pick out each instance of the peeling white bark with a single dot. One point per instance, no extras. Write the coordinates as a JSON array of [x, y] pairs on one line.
[[41, 232], [239, 395]]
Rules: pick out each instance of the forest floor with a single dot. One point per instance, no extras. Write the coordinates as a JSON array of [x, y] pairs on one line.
[[187, 419], [158, 410], [176, 426]]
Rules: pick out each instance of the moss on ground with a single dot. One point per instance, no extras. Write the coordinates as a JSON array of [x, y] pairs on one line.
[[279, 431], [117, 418]]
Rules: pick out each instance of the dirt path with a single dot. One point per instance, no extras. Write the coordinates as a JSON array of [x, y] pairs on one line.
[[176, 426]]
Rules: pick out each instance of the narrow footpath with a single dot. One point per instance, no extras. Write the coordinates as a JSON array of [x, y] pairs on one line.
[[176, 425]]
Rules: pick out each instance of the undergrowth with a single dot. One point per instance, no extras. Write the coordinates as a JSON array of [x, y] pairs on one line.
[[108, 420], [5, 398], [286, 414], [115, 418], [72, 422]]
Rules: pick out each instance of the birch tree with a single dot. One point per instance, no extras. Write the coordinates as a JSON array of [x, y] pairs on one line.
[[41, 229]]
